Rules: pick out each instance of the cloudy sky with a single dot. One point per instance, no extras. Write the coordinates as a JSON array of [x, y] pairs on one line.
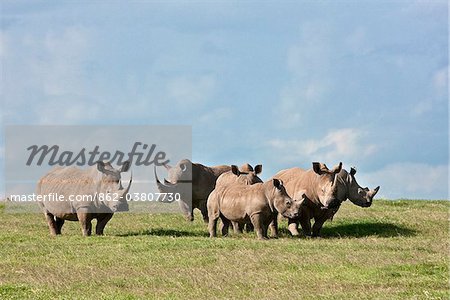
[[276, 82]]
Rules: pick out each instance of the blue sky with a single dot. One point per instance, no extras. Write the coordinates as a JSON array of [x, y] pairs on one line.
[[277, 82]]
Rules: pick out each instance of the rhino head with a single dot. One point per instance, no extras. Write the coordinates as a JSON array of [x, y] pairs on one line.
[[326, 185], [246, 174], [282, 202], [111, 185], [179, 180], [357, 195]]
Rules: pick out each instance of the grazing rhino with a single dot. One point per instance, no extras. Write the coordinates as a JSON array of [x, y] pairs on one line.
[[245, 175], [194, 182], [259, 203], [344, 186], [92, 193]]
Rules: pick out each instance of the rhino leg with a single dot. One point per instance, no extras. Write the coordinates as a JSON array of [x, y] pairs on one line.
[[187, 210], [51, 223], [101, 223], [237, 227], [226, 225], [318, 224], [204, 210], [212, 226], [305, 222], [59, 224], [274, 227], [85, 221], [249, 227], [293, 227], [259, 226]]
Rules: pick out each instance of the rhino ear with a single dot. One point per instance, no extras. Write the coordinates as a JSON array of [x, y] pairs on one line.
[[167, 166], [126, 166], [316, 167], [101, 166], [258, 169], [320, 168], [337, 168], [235, 170], [277, 183], [352, 171]]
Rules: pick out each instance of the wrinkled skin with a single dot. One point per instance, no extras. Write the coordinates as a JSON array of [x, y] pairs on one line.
[[245, 175], [320, 209], [95, 181], [194, 182], [259, 203]]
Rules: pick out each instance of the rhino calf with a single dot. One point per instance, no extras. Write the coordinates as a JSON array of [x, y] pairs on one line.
[[259, 203], [245, 175], [92, 193]]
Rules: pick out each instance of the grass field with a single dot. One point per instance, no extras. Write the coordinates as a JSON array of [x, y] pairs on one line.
[[393, 250]]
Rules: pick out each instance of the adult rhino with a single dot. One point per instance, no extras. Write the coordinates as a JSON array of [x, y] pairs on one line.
[[92, 193], [245, 175], [343, 186], [194, 182]]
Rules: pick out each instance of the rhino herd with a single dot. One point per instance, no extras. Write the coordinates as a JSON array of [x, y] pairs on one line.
[[235, 195]]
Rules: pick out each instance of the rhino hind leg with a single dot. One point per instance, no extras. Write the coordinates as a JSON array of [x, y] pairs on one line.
[[51, 223], [59, 224], [226, 225], [101, 223], [249, 227]]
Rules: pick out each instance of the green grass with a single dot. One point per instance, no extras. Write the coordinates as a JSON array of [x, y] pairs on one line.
[[394, 250]]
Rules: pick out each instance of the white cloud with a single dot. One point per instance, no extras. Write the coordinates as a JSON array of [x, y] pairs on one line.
[[409, 180], [347, 144]]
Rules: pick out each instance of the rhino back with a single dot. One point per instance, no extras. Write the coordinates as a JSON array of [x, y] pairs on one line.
[[237, 203], [67, 182]]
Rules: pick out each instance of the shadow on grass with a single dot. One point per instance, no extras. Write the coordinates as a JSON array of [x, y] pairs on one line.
[[366, 229], [357, 230], [166, 232]]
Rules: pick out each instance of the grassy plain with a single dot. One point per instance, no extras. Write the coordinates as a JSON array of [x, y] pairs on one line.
[[393, 250]]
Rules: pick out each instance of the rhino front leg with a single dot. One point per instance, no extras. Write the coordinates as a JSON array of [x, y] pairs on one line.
[[101, 223], [317, 227], [187, 210], [259, 226], [85, 221], [293, 227], [51, 223], [274, 227], [204, 211], [306, 226]]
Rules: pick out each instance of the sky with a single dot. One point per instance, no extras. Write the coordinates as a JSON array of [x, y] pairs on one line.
[[280, 83]]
